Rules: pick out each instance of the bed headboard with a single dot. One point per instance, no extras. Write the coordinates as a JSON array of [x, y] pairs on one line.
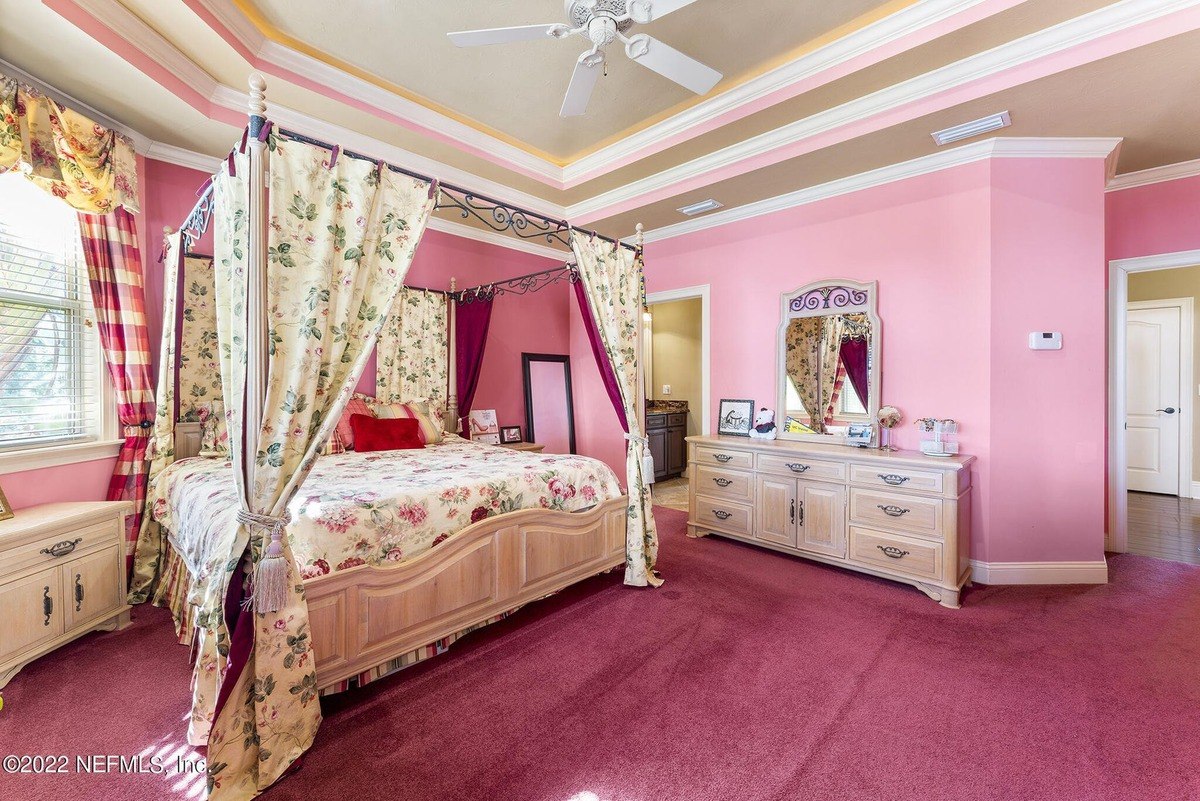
[[187, 440]]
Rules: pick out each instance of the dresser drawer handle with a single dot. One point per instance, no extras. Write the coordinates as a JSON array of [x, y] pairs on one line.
[[796, 467], [722, 482], [62, 548], [892, 551], [47, 605], [721, 514], [722, 457], [894, 511], [78, 592], [893, 479]]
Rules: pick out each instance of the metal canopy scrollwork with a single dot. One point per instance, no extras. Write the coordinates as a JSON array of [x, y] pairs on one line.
[[521, 285], [503, 218], [197, 222], [829, 297]]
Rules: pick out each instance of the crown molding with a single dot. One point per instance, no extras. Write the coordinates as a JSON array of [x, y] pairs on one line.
[[182, 157], [909, 21], [1155, 175], [1157, 261], [286, 62], [494, 238], [904, 95], [999, 148]]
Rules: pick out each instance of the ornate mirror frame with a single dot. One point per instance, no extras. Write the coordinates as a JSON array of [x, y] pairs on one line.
[[817, 300]]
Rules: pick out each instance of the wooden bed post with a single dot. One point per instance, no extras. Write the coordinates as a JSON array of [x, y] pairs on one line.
[[452, 356], [256, 291]]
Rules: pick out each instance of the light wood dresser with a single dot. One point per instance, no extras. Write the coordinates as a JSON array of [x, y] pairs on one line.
[[62, 574], [900, 515]]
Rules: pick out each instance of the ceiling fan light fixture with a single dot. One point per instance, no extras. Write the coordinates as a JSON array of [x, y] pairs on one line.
[[993, 122], [560, 31], [639, 11], [592, 58], [693, 209], [637, 46]]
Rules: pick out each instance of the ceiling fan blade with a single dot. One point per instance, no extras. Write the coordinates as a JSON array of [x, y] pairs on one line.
[[490, 36], [670, 63], [651, 10], [583, 81]]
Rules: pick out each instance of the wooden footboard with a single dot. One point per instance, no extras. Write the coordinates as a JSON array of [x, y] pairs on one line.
[[367, 615]]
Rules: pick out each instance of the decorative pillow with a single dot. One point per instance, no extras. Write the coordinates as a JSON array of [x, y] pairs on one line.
[[382, 434], [412, 410], [342, 438], [214, 430]]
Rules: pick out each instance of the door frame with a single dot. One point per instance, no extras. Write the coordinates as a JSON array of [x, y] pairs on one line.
[[1186, 306], [1117, 534], [687, 293]]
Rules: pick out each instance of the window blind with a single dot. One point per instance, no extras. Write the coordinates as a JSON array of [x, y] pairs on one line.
[[48, 346]]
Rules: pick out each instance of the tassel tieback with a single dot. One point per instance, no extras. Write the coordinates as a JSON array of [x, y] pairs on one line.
[[270, 590]]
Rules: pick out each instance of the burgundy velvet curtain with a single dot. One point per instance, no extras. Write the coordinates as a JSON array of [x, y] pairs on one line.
[[854, 359], [110, 248], [471, 321], [602, 361]]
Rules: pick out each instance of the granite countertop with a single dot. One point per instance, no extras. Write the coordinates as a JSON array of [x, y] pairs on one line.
[[666, 406]]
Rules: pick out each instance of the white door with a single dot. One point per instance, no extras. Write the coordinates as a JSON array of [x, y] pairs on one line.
[[1152, 395]]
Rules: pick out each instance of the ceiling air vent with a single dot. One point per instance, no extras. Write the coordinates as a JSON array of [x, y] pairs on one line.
[[700, 208], [974, 128]]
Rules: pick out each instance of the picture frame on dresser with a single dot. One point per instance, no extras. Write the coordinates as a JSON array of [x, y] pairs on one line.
[[510, 435], [736, 417], [6, 510]]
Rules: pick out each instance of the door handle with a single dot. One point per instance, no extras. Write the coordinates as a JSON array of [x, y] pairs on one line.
[[78, 592], [1168, 410], [722, 482], [47, 605]]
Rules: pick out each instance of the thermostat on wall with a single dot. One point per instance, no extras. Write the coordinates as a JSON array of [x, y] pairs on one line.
[[1045, 340]]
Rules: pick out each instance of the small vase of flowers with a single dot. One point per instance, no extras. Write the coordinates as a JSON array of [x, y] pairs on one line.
[[889, 417]]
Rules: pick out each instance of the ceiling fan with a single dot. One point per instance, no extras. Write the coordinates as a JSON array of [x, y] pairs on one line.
[[602, 22]]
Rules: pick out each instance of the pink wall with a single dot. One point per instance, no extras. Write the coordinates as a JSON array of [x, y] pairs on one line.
[[1153, 219], [961, 257]]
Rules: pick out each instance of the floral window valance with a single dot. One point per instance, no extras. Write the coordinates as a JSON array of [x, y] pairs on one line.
[[92, 168]]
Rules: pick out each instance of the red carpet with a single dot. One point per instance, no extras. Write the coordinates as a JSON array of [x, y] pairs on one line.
[[749, 675]]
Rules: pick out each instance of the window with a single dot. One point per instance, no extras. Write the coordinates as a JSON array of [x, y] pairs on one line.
[[50, 383]]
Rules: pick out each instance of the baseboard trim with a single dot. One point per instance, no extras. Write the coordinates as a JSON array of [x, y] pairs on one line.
[[1039, 572], [1195, 489]]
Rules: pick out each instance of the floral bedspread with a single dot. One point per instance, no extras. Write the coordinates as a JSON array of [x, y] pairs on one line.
[[386, 506]]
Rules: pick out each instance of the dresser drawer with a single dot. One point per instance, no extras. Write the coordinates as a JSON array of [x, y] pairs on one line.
[[722, 483], [895, 553], [897, 478], [723, 515], [677, 419], [896, 510], [69, 543], [725, 457], [801, 467], [656, 421]]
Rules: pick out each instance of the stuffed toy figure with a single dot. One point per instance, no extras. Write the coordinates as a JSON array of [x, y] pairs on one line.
[[764, 424]]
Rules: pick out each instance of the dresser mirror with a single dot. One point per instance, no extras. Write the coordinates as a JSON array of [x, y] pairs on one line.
[[828, 347]]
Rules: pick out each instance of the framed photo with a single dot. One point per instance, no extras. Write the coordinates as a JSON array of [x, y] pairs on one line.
[[5, 510], [510, 434], [860, 434], [483, 426], [736, 418]]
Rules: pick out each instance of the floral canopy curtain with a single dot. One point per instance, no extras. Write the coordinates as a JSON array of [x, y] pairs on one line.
[[341, 237], [413, 359], [830, 353], [151, 542], [612, 276], [92, 168], [803, 358]]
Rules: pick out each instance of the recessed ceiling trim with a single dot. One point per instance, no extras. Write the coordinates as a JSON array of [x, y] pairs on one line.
[[1005, 148], [913, 25], [954, 84], [1154, 175], [337, 84], [182, 157]]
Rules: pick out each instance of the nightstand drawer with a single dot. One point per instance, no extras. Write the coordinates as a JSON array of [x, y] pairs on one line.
[[32, 612], [67, 545], [91, 586], [731, 484], [896, 510], [723, 515]]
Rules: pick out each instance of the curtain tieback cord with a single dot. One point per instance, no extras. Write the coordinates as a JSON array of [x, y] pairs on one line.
[[269, 593]]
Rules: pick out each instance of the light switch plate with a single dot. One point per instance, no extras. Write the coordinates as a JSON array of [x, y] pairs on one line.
[[666, 389]]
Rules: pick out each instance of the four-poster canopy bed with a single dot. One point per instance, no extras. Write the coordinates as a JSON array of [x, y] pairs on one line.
[[305, 277]]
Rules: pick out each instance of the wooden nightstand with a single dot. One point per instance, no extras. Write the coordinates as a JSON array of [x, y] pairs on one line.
[[532, 447], [62, 574]]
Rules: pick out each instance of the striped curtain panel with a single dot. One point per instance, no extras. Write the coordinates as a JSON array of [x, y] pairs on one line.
[[114, 266]]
